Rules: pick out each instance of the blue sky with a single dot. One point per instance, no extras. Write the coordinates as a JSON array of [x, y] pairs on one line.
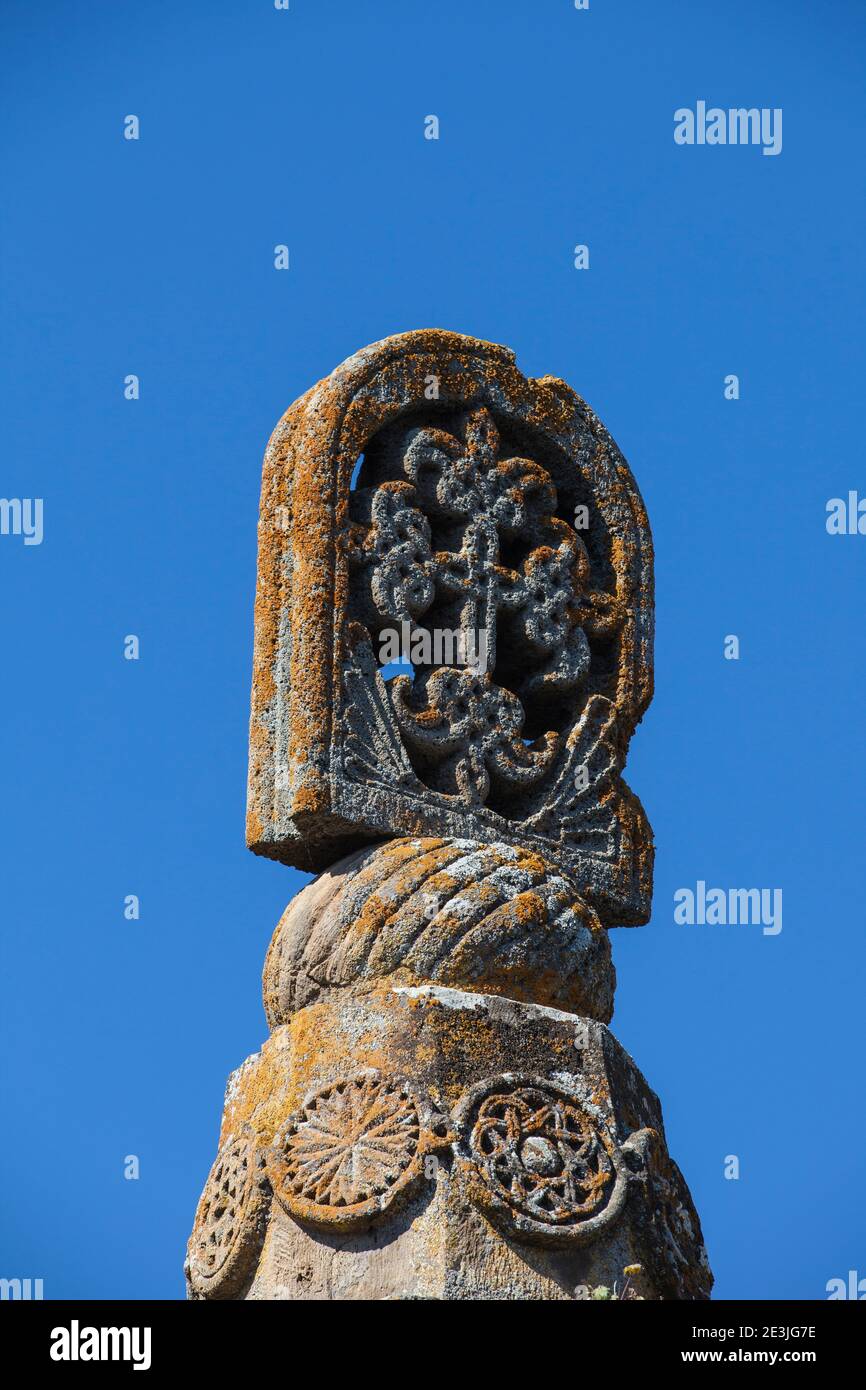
[[155, 257]]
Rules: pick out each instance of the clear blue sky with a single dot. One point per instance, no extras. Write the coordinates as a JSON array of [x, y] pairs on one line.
[[155, 257]]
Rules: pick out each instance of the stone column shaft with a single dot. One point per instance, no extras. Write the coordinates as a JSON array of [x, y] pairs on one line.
[[440, 1110]]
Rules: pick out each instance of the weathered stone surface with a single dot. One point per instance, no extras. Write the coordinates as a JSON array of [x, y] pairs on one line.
[[408, 1160], [502, 511], [486, 917], [231, 1219], [440, 1111]]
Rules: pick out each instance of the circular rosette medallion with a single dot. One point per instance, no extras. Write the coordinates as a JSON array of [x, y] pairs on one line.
[[539, 1161], [230, 1220], [355, 1146]]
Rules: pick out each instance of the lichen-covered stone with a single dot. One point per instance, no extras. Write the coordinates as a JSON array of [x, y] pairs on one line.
[[486, 917], [455, 1145], [489, 506], [440, 1111]]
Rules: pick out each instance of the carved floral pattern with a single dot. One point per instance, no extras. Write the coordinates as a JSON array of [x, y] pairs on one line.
[[355, 1145]]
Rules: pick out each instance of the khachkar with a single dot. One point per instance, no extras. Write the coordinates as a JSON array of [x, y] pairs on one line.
[[440, 1110]]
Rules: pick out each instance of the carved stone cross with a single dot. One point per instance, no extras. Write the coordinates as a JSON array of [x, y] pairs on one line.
[[440, 1110], [480, 584]]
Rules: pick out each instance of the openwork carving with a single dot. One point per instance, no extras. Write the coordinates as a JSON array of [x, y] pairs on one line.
[[539, 1162], [353, 1149], [435, 548], [230, 1220], [428, 551], [497, 531]]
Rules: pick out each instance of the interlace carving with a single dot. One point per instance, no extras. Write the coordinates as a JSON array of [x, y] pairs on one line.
[[470, 732], [542, 1155], [539, 1160], [507, 573], [491, 533]]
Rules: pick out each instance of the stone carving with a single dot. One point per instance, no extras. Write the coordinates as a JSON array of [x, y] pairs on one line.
[[581, 802], [674, 1251], [353, 1149], [486, 917], [447, 1233], [536, 1156], [230, 1220], [440, 1110], [533, 614], [500, 512]]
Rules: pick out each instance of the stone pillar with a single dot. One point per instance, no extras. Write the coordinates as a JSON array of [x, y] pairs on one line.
[[440, 1110]]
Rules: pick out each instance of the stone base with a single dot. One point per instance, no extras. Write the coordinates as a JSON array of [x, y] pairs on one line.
[[376, 1149]]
